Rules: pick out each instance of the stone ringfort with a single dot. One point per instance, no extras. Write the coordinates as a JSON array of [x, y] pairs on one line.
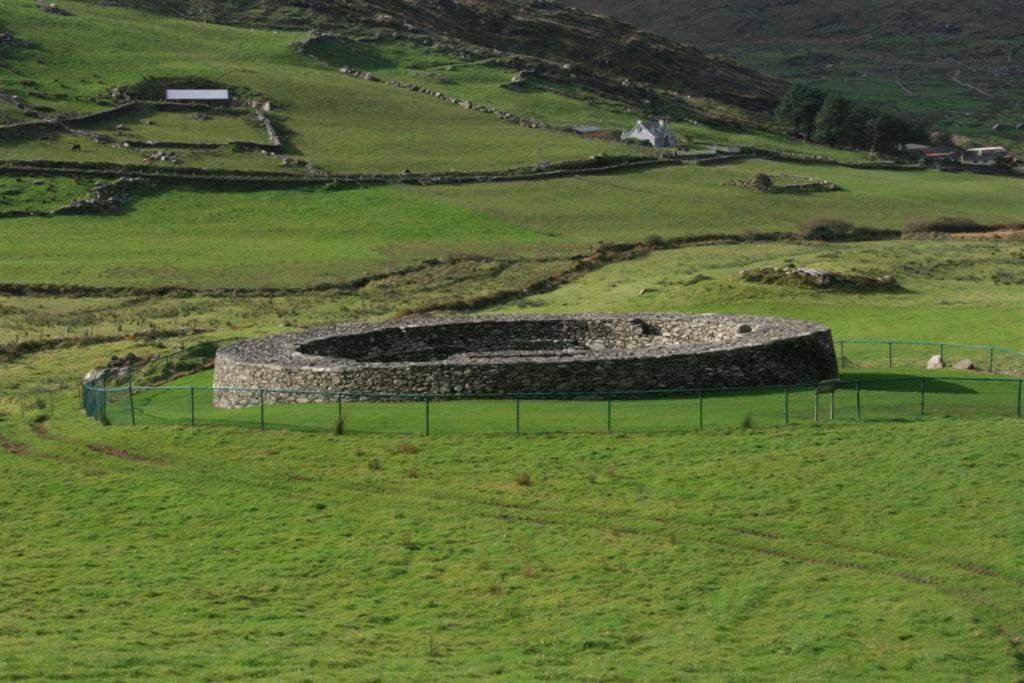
[[411, 358]]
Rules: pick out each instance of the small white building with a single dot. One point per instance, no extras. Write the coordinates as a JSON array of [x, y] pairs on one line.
[[983, 156], [198, 95], [655, 133]]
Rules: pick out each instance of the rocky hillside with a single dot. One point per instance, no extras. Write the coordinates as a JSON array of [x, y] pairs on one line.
[[955, 61], [580, 45]]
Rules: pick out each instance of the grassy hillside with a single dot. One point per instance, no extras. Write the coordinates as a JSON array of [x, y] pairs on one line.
[[572, 46], [290, 238], [967, 291], [340, 124], [919, 57]]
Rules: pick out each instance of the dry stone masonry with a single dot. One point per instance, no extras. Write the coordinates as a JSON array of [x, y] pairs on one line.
[[410, 358]]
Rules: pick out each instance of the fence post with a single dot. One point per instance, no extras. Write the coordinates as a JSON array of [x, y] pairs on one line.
[[832, 406], [817, 406], [262, 424], [942, 351], [922, 396], [517, 415], [131, 399], [192, 403], [609, 414], [1020, 392], [426, 417], [842, 354], [341, 420], [787, 405], [991, 358], [700, 409], [890, 355], [858, 400]]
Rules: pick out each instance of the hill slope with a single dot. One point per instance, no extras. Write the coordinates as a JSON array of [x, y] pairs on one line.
[[582, 46], [920, 56]]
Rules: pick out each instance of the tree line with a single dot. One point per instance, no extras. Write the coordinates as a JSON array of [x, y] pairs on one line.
[[833, 120]]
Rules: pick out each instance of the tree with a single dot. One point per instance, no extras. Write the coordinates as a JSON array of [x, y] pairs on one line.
[[798, 108], [830, 121]]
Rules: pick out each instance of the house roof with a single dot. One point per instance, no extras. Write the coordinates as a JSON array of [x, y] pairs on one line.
[[987, 150], [198, 94]]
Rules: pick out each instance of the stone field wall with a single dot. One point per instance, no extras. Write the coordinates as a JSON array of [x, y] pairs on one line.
[[409, 359]]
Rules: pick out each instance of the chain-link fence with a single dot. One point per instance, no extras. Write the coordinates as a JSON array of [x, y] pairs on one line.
[[866, 399], [868, 353]]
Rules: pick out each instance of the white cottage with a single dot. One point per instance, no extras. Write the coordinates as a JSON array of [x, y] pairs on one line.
[[655, 133]]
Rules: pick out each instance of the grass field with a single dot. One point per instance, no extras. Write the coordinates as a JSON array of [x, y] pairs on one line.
[[238, 555], [146, 123], [558, 104], [750, 551], [864, 395], [303, 237], [338, 123], [952, 291], [37, 194]]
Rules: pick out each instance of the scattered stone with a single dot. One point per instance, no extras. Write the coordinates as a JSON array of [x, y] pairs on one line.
[[744, 329], [820, 279], [51, 8], [762, 182], [936, 363]]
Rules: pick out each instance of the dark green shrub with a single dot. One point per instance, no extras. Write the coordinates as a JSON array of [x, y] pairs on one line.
[[946, 224]]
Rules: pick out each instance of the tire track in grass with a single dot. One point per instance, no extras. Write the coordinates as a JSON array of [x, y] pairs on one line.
[[100, 449]]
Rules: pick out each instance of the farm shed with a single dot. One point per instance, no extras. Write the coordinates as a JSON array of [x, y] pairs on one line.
[[198, 95]]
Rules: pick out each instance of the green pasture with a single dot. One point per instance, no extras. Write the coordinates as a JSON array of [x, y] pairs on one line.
[[335, 122], [27, 193], [965, 291], [338, 123], [685, 200], [279, 237], [864, 395], [61, 147], [145, 123], [482, 81], [843, 551]]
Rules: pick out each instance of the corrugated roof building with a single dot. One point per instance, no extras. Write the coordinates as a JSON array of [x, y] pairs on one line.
[[203, 95]]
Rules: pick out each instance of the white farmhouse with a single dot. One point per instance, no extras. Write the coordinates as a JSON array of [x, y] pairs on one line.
[[655, 133], [983, 156]]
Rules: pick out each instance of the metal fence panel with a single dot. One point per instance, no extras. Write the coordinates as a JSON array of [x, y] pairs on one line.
[[870, 398]]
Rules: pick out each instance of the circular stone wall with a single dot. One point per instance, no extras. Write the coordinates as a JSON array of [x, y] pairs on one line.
[[524, 354]]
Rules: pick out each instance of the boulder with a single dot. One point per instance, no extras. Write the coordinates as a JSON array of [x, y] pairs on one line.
[[965, 364], [94, 375], [936, 363]]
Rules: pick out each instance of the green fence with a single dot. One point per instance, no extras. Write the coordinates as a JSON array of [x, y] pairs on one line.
[[870, 353], [895, 398]]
